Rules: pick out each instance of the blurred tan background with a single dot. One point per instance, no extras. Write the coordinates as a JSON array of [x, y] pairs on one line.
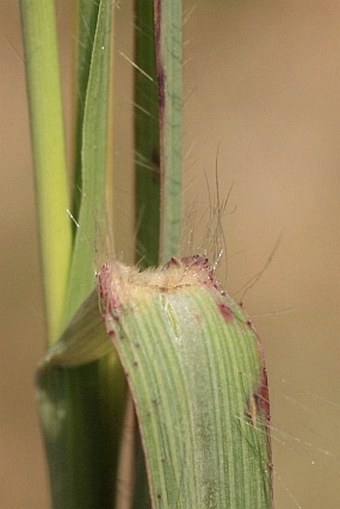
[[262, 83]]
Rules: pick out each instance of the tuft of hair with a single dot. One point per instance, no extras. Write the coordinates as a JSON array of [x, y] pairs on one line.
[[203, 230]]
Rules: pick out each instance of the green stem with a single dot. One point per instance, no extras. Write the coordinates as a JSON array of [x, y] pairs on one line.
[[146, 136], [47, 130], [168, 27], [81, 411]]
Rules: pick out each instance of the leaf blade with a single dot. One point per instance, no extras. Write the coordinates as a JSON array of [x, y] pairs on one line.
[[87, 17], [195, 373], [94, 149]]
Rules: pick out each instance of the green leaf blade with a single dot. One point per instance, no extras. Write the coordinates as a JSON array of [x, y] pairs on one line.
[[196, 374], [83, 341], [87, 16], [94, 150]]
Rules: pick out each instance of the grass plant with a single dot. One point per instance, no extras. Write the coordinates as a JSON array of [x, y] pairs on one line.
[[173, 339]]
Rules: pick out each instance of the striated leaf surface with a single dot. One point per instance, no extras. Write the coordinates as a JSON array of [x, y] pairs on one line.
[[195, 370], [94, 149]]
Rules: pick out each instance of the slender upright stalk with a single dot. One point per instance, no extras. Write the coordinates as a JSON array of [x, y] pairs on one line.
[[158, 128], [168, 26], [147, 187], [47, 131]]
